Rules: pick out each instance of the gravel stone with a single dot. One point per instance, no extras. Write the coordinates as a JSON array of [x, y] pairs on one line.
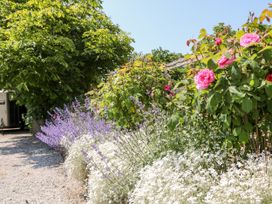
[[32, 173]]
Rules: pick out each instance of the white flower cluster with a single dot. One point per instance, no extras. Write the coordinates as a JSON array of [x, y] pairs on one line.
[[108, 179], [75, 164], [177, 178], [248, 181], [188, 178]]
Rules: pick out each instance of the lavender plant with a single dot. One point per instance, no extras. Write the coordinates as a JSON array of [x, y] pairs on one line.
[[69, 123]]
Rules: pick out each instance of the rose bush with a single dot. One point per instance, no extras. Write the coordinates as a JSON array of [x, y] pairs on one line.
[[239, 93]]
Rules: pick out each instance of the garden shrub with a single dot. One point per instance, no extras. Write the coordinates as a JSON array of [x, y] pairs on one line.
[[247, 181], [131, 90], [231, 72], [67, 124], [108, 181], [197, 177], [176, 178], [75, 163]]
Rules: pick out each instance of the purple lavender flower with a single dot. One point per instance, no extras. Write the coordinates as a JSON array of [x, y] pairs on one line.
[[71, 122]]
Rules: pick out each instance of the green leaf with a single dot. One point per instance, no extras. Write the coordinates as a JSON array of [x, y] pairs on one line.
[[233, 90], [236, 121], [244, 136], [213, 101], [268, 90], [174, 121], [203, 33], [267, 48], [226, 119], [221, 83], [247, 105], [228, 55], [248, 127], [211, 64], [269, 106], [266, 53], [237, 131], [235, 74], [239, 34]]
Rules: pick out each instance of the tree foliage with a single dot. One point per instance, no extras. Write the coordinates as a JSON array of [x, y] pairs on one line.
[[164, 56], [51, 51]]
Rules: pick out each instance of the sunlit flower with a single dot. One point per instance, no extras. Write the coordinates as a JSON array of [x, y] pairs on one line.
[[204, 78], [167, 88], [249, 38], [223, 62], [218, 41]]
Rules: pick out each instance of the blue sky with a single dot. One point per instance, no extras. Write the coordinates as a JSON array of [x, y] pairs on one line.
[[169, 23]]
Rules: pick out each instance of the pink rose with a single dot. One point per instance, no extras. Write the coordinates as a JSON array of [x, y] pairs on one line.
[[167, 88], [249, 38], [204, 78], [218, 41], [223, 62], [269, 77]]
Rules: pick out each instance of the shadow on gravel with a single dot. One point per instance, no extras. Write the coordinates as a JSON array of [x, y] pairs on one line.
[[29, 148]]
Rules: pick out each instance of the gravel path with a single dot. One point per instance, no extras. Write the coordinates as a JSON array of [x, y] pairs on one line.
[[32, 173]]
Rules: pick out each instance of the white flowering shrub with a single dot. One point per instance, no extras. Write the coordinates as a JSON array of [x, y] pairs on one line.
[[108, 180], [248, 181], [75, 163], [176, 178], [195, 177]]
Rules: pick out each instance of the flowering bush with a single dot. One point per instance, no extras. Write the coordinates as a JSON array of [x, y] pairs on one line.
[[177, 178], [248, 181], [233, 84], [196, 177], [69, 123], [108, 181], [75, 163], [141, 80]]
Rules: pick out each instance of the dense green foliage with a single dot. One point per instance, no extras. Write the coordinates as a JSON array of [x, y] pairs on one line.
[[51, 51], [131, 90], [164, 56], [239, 93]]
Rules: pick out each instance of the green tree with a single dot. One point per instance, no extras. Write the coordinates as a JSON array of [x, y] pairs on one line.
[[52, 51], [164, 56]]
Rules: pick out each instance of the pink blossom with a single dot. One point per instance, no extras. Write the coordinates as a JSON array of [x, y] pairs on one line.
[[249, 38], [204, 78], [269, 77], [223, 62], [218, 41], [167, 88]]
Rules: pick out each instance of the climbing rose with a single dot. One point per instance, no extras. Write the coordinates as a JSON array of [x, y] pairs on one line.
[[167, 88], [218, 41], [223, 62], [249, 38], [204, 78], [269, 77]]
